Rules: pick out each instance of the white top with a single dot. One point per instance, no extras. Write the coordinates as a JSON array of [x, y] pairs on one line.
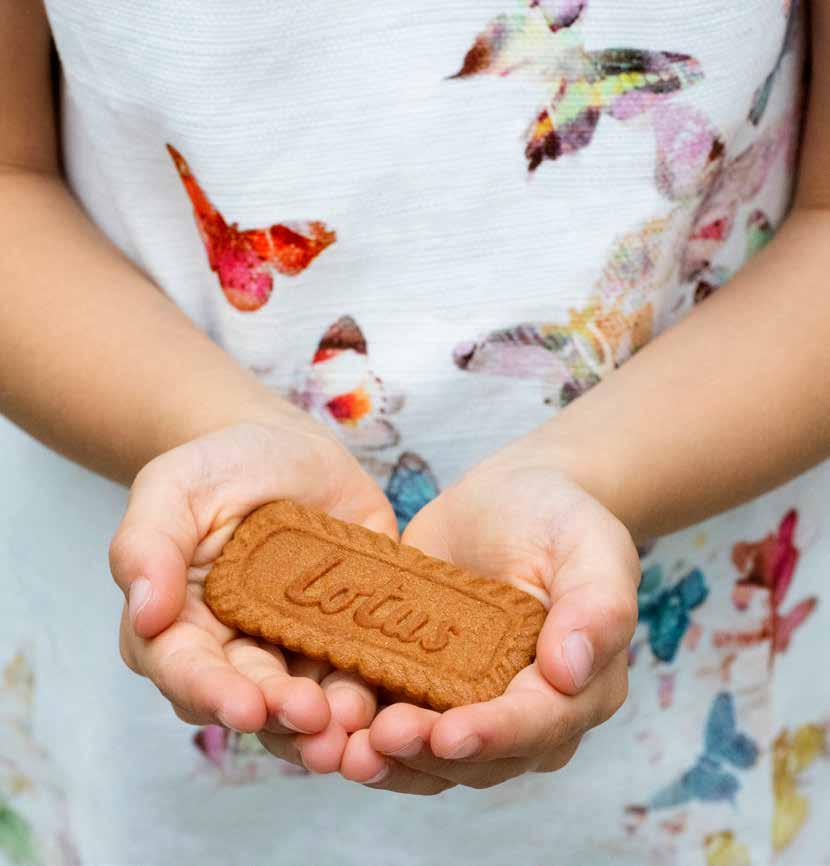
[[430, 225]]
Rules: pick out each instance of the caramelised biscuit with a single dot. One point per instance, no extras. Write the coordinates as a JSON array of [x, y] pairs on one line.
[[416, 626]]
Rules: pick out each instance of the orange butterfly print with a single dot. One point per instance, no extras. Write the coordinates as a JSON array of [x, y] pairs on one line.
[[245, 260], [340, 388]]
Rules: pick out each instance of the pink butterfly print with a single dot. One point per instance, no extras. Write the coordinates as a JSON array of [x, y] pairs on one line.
[[245, 260], [560, 13], [768, 566], [340, 389], [212, 742], [581, 85], [737, 183], [665, 689], [240, 758], [690, 152]]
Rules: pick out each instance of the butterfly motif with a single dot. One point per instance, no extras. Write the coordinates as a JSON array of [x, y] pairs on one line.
[[759, 232], [580, 85], [708, 780], [573, 356], [768, 566], [665, 610], [340, 389], [239, 758], [17, 841], [34, 825], [723, 849], [619, 318], [245, 260], [762, 95], [737, 182], [792, 754], [410, 487], [409, 483]]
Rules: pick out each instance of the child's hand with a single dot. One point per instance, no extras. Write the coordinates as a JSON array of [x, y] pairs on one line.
[[183, 507], [514, 517]]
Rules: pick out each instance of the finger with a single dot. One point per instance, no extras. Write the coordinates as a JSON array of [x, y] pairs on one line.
[[482, 775], [361, 763], [411, 725], [301, 666], [126, 638], [282, 746], [403, 732], [400, 731], [191, 670], [151, 550], [352, 701], [295, 704], [323, 752], [190, 718], [530, 719], [558, 758], [593, 611]]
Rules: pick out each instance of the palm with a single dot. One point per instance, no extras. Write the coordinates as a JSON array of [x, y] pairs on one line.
[[514, 519], [203, 490], [521, 542]]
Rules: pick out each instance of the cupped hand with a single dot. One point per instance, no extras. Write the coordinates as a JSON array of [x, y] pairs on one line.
[[183, 508], [515, 518]]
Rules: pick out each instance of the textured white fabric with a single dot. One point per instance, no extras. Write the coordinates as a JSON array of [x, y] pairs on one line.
[[469, 293]]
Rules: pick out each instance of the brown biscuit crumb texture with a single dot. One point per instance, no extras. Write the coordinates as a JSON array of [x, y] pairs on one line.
[[415, 625]]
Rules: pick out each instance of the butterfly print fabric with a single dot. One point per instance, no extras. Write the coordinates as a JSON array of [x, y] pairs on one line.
[[544, 45], [433, 227]]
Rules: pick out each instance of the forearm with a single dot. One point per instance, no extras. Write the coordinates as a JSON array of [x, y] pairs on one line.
[[96, 362], [728, 404]]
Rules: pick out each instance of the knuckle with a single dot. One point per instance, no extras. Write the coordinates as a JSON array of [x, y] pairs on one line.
[[124, 549], [119, 550], [620, 693], [616, 695], [127, 656], [146, 475], [624, 613], [619, 613]]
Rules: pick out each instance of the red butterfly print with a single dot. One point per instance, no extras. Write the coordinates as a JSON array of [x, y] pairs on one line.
[[768, 565], [245, 260]]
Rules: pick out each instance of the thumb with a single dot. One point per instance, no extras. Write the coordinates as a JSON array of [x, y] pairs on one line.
[[151, 551], [593, 611]]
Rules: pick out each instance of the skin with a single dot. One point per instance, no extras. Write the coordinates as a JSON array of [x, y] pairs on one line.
[[87, 371]]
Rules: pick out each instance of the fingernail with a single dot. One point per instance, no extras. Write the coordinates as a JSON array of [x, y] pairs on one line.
[[347, 704], [300, 753], [409, 750], [379, 776], [141, 591], [282, 720], [468, 747], [579, 657], [222, 716]]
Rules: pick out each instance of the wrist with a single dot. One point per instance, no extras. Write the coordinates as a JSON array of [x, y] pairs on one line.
[[255, 406], [593, 461]]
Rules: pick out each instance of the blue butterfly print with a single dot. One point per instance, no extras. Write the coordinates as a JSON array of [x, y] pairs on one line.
[[411, 486], [666, 611], [708, 780]]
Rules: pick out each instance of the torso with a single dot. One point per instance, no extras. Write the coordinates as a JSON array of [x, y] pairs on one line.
[[432, 225]]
